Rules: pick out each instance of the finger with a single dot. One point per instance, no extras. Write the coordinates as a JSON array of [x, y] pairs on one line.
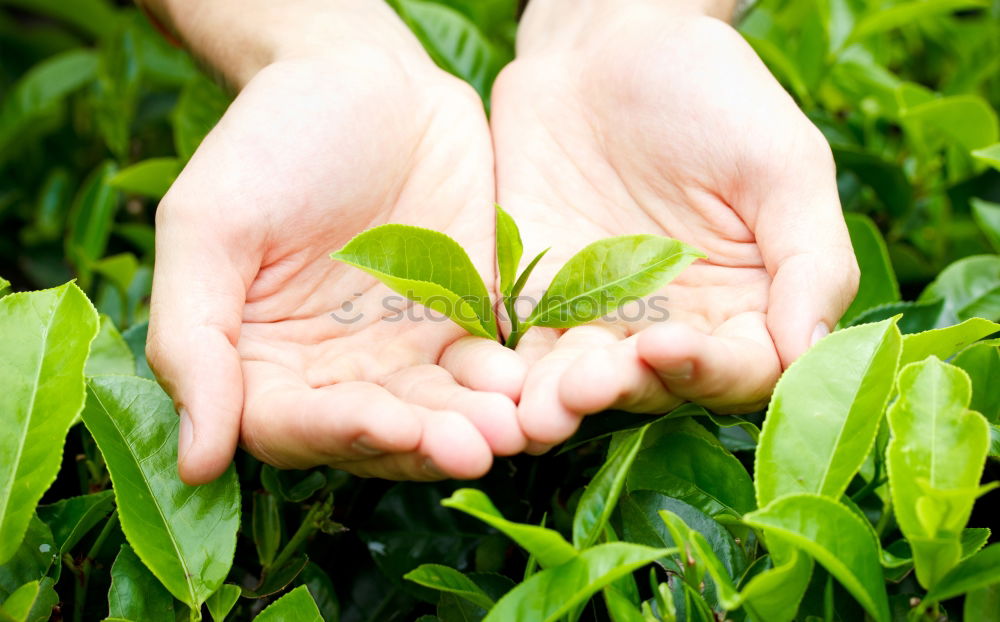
[[292, 425], [195, 316], [732, 370], [614, 376], [806, 248], [485, 365], [493, 414], [544, 418]]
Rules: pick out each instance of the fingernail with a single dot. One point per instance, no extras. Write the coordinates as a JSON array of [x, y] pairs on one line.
[[431, 469], [361, 445], [185, 435], [819, 332], [681, 372]]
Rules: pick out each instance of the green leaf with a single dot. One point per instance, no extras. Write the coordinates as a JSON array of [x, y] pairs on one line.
[[916, 317], [830, 401], [620, 608], [38, 92], [70, 519], [109, 353], [989, 155], [774, 594], [547, 545], [295, 606], [934, 459], [977, 572], [555, 591], [266, 526], [35, 555], [607, 274], [322, 590], [987, 216], [222, 601], [135, 337], [44, 337], [509, 250], [445, 579], [981, 361], [983, 604], [892, 17], [135, 594], [151, 178], [878, 280], [32, 602], [686, 462], [4, 286], [186, 535], [427, 267], [969, 288], [91, 218], [455, 43], [200, 106], [967, 120], [601, 495], [836, 537], [116, 90], [945, 342], [523, 279]]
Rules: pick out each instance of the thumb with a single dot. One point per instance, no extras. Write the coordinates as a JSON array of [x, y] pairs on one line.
[[807, 250], [195, 318]]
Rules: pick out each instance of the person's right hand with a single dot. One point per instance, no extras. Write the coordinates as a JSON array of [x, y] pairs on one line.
[[244, 321]]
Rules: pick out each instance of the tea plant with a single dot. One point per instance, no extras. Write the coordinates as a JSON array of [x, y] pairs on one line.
[[429, 267], [862, 492]]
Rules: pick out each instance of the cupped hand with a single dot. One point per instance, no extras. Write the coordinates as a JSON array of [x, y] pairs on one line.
[[648, 117], [260, 337]]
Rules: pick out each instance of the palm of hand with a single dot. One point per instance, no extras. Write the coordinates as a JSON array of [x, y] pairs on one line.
[[627, 140], [333, 372]]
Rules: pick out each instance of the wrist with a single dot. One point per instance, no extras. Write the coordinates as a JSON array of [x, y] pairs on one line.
[[548, 23], [238, 38]]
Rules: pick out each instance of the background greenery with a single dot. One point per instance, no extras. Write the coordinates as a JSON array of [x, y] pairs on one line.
[[98, 114]]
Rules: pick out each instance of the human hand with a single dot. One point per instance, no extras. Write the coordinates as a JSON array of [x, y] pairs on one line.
[[651, 117], [252, 322]]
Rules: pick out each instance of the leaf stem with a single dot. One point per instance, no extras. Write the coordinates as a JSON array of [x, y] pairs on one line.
[[516, 333], [308, 526]]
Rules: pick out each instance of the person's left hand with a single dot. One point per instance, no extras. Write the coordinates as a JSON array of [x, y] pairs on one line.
[[649, 117]]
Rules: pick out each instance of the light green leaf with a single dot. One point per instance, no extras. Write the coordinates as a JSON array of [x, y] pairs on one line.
[[977, 572], [686, 462], [601, 495], [523, 279], [36, 554], [981, 361], [71, 518], [44, 337], [38, 92], [222, 601], [455, 43], [620, 608], [830, 401], [186, 535], [32, 602], [91, 218], [836, 537], [607, 274], [983, 604], [295, 606], [995, 441], [135, 594], [4, 286], [109, 353], [967, 120], [878, 280], [774, 595], [547, 545], [945, 342], [989, 155], [970, 287], [987, 216], [892, 17], [509, 250], [427, 267], [151, 178], [554, 592], [445, 579], [934, 460], [200, 106]]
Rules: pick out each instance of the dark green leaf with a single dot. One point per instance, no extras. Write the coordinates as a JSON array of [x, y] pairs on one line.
[[969, 288], [44, 337], [135, 593], [32, 602], [200, 106], [987, 216], [186, 535], [601, 495], [92, 217], [445, 579], [70, 519], [878, 281], [916, 317], [266, 526], [35, 555]]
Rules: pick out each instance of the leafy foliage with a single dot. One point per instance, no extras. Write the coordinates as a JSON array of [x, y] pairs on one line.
[[857, 493]]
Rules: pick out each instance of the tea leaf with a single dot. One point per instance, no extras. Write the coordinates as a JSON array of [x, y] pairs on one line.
[[295, 606], [601, 495], [509, 250], [135, 594], [449, 580]]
